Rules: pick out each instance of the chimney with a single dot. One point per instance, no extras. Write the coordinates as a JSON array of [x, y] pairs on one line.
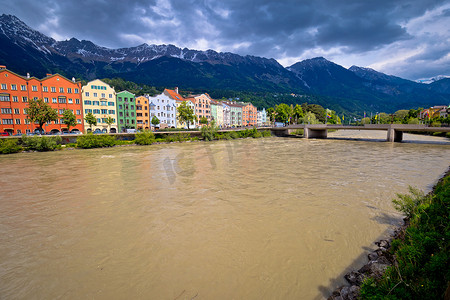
[[48, 74], [2, 67], [28, 75], [73, 79], [176, 90]]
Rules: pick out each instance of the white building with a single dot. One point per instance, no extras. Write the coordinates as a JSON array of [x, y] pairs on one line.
[[262, 118], [226, 114], [164, 108]]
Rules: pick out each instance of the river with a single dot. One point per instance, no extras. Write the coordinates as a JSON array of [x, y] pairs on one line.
[[273, 218]]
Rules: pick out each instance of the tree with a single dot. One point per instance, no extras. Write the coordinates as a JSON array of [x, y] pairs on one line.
[[310, 118], [91, 120], [298, 113], [155, 121], [69, 119], [203, 120], [110, 120], [185, 114], [283, 112], [271, 114], [40, 112]]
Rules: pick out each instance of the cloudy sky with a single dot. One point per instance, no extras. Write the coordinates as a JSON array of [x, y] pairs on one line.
[[406, 38]]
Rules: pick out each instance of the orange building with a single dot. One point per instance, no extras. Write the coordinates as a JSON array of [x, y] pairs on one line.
[[142, 113], [202, 106], [59, 92], [249, 114]]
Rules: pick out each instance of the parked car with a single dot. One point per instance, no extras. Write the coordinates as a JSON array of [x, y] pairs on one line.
[[4, 134], [97, 131]]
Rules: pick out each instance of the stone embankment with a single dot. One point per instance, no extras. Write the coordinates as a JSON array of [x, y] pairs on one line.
[[379, 260]]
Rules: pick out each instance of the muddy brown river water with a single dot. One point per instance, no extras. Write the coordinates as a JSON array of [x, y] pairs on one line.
[[274, 218]]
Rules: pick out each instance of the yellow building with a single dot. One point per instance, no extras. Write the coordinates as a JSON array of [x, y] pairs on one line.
[[99, 99]]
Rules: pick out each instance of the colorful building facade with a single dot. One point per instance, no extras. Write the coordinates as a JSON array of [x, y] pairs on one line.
[[99, 98], [249, 114], [164, 108], [126, 111], [56, 90], [142, 113], [203, 106], [217, 113]]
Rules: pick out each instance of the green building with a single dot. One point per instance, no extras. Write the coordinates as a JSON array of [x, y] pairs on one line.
[[126, 111]]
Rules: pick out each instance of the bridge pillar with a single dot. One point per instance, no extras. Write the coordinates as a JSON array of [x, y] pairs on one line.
[[394, 135], [310, 133]]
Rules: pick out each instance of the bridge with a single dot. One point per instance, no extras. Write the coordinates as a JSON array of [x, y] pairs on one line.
[[394, 131]]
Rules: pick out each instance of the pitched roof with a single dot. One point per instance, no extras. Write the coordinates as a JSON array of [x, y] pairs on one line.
[[173, 94]]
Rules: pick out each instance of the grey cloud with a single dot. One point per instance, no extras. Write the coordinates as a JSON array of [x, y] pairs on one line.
[[270, 28]]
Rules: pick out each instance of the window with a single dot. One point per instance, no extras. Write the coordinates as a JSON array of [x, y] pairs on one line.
[[35, 98], [95, 103], [103, 95], [110, 103], [45, 99], [6, 111], [121, 121], [69, 90], [5, 98], [14, 87], [86, 94], [24, 99], [157, 107], [7, 121], [120, 99], [26, 121], [120, 106], [53, 89], [104, 111], [61, 90], [4, 86], [56, 121], [70, 101], [110, 95], [111, 111], [78, 112], [103, 103], [23, 87], [95, 94], [34, 88], [79, 121], [62, 100], [120, 114], [87, 102], [76, 91], [54, 100], [15, 99], [45, 89], [86, 111], [77, 101], [132, 106], [61, 111], [19, 131], [25, 111], [96, 111], [132, 114], [99, 120], [17, 111]]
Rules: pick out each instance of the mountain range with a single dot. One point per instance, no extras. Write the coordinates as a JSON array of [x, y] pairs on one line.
[[25, 50]]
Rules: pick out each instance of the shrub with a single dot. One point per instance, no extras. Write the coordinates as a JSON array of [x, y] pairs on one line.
[[144, 138], [408, 203], [41, 143], [95, 141], [266, 133], [8, 146], [233, 134], [209, 131]]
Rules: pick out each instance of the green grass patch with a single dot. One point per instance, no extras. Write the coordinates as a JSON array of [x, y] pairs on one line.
[[423, 255]]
